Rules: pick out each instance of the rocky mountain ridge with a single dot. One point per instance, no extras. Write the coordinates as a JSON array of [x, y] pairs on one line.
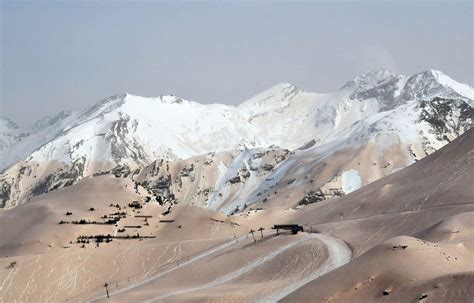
[[396, 119]]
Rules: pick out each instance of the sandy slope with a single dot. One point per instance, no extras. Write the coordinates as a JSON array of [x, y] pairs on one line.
[[404, 274], [411, 234], [431, 200], [404, 203], [48, 267], [200, 254], [285, 263]]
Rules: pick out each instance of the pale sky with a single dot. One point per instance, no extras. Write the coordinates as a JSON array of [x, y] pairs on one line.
[[70, 54]]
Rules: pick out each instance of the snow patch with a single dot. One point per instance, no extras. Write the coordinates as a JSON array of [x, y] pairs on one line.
[[351, 181]]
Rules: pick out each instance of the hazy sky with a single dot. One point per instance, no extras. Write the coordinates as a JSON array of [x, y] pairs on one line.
[[70, 54]]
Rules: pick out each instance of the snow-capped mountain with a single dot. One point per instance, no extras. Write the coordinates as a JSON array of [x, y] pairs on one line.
[[16, 143], [397, 119]]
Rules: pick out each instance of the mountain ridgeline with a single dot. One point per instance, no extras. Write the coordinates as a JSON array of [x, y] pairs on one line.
[[283, 146]]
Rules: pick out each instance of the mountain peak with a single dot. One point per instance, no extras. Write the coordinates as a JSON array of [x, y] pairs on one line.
[[375, 78], [434, 78], [371, 79], [377, 73], [278, 94], [430, 73], [283, 86], [165, 99]]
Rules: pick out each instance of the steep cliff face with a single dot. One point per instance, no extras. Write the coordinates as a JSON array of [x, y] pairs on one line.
[[448, 118]]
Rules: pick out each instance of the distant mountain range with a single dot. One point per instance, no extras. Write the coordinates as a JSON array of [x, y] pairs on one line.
[[283, 145]]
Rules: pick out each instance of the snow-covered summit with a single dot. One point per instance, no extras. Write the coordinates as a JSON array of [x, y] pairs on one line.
[[392, 90], [421, 84], [273, 99], [432, 83], [167, 125], [460, 88], [374, 78], [280, 92]]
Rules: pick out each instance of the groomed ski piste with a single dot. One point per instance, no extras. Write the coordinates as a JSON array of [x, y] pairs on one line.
[[316, 254]]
